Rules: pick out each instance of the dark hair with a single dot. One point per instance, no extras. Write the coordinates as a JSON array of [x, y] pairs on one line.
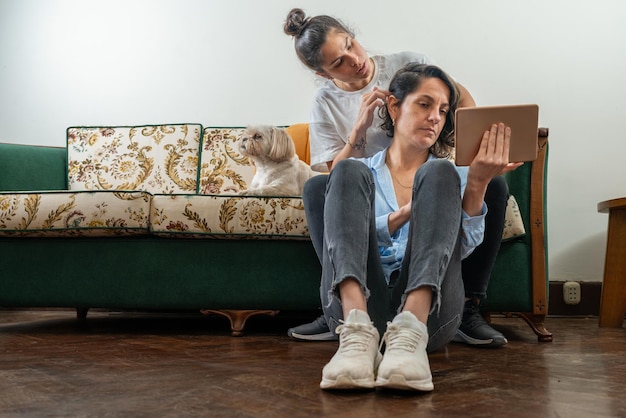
[[406, 81], [310, 34]]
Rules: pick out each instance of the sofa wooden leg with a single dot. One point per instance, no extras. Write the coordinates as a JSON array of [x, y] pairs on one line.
[[237, 317], [537, 325], [81, 313]]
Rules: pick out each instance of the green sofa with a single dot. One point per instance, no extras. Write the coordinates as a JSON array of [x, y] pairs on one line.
[[148, 218]]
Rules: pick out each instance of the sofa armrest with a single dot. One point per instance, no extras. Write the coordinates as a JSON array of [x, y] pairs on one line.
[[538, 227], [31, 167]]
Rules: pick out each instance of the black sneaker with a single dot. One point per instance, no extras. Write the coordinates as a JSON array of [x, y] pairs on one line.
[[474, 330], [315, 331]]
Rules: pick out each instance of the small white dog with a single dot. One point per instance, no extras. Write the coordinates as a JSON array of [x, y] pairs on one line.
[[279, 171]]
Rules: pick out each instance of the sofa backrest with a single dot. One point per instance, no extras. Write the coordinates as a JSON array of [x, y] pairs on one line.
[[152, 158], [224, 171]]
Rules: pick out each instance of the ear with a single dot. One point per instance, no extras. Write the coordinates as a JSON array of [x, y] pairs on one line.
[[392, 107], [282, 145]]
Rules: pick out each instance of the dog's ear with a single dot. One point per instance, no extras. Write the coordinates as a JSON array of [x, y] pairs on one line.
[[282, 145]]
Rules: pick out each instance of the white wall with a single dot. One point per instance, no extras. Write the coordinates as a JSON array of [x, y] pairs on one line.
[[222, 63]]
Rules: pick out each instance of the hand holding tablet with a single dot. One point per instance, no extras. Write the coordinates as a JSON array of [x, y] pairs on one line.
[[472, 122]]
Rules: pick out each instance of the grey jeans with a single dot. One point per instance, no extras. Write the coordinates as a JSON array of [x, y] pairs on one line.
[[341, 218]]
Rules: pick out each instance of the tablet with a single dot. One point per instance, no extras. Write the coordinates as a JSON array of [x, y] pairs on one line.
[[472, 122]]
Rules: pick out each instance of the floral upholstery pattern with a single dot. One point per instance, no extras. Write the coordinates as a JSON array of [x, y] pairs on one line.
[[224, 217], [513, 222], [216, 211], [223, 170], [60, 213], [157, 159]]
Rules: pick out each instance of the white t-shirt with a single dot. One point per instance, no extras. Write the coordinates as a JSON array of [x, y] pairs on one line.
[[335, 111]]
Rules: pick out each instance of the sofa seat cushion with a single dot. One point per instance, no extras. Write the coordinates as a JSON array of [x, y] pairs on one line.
[[80, 213], [213, 216], [154, 158]]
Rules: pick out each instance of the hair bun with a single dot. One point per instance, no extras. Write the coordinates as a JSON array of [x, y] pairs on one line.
[[295, 22]]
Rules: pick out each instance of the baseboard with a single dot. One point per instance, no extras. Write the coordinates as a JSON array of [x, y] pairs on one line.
[[589, 300]]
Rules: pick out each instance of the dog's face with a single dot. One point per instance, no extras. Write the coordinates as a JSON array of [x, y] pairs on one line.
[[267, 142]]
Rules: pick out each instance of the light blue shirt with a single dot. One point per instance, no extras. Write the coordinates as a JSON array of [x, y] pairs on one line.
[[393, 247]]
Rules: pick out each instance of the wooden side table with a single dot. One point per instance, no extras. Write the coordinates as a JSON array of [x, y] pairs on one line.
[[613, 301]]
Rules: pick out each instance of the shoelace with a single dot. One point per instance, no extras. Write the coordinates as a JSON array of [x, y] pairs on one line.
[[400, 338], [356, 338]]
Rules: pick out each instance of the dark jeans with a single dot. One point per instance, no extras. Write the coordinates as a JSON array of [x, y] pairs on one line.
[[477, 267], [341, 218]]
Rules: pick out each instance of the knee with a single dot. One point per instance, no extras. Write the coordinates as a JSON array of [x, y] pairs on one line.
[[440, 171], [349, 166], [497, 194], [498, 188], [441, 167], [351, 172], [314, 187]]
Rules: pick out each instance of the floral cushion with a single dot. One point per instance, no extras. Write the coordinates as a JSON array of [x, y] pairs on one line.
[[60, 213], [513, 223], [223, 170], [157, 159], [228, 217]]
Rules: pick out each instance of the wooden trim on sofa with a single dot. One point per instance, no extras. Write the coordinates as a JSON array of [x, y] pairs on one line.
[[536, 318], [538, 228]]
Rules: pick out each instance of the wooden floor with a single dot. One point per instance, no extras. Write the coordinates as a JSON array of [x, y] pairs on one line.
[[187, 365]]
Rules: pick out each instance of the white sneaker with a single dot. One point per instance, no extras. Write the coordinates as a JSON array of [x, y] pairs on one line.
[[405, 363], [354, 364]]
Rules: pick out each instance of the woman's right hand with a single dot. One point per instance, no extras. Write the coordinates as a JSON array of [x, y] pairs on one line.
[[396, 219], [370, 102], [355, 147]]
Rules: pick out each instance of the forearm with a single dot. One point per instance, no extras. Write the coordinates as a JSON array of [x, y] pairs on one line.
[[473, 198], [354, 148]]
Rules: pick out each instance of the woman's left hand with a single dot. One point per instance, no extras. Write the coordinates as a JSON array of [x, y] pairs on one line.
[[492, 158]]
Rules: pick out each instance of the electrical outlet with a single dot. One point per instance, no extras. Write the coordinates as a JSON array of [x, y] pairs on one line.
[[571, 293]]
